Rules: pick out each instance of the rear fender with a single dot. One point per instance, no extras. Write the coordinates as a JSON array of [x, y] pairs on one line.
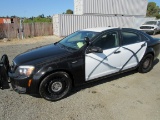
[[150, 51]]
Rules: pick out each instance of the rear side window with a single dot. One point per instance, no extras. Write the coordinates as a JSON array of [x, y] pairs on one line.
[[130, 38]]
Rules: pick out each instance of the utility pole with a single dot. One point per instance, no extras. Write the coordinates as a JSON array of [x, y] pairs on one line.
[[21, 29], [8, 30]]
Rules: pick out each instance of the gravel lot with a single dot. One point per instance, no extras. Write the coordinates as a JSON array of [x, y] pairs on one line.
[[130, 96]]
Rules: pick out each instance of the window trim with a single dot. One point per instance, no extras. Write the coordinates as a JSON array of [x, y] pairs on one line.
[[104, 32]]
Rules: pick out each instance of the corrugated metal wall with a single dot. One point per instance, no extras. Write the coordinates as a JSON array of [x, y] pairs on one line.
[[64, 24], [111, 7]]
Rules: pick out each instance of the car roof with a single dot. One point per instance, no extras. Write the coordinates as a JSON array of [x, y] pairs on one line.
[[98, 29]]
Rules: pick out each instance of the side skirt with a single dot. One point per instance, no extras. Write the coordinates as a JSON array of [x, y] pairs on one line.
[[111, 75]]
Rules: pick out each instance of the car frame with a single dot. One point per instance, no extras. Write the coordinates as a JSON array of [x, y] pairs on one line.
[[53, 70]]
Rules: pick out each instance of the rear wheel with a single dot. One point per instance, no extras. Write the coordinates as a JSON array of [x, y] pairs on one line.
[[146, 64], [55, 86]]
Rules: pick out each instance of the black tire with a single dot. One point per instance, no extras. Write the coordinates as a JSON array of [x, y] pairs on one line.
[[55, 86], [146, 64]]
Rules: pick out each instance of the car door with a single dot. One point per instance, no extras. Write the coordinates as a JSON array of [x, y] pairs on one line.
[[132, 49], [101, 64]]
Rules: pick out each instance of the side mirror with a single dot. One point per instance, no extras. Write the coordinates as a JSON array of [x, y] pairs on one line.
[[95, 50], [86, 39]]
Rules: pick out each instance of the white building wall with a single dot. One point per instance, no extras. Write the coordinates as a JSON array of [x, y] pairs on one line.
[[111, 7], [56, 25]]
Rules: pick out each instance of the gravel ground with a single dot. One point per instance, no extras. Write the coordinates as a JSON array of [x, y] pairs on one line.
[[129, 96]]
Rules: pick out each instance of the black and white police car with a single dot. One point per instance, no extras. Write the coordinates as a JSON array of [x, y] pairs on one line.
[[85, 55]]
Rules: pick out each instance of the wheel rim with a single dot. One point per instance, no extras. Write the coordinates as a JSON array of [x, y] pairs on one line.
[[146, 63], [56, 86]]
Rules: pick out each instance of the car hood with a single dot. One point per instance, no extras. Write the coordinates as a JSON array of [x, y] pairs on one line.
[[39, 54]]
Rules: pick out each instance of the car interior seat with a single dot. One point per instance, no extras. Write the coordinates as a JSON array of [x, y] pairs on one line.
[[109, 41]]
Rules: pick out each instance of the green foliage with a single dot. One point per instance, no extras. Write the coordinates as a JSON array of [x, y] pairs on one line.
[[153, 10], [69, 11], [40, 18], [158, 16]]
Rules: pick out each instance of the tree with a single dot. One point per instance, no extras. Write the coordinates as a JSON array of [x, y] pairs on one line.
[[153, 10], [39, 18], [69, 11]]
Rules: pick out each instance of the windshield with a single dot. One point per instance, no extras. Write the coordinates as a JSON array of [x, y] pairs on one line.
[[76, 40], [150, 23]]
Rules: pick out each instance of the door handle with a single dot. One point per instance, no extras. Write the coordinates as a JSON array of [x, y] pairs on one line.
[[117, 52], [143, 45]]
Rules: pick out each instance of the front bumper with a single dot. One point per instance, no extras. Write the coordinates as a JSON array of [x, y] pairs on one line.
[[23, 86], [147, 31], [19, 85]]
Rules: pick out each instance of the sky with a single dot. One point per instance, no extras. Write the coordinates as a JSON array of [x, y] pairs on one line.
[[29, 8]]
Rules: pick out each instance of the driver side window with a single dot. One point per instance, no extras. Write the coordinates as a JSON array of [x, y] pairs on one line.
[[107, 40]]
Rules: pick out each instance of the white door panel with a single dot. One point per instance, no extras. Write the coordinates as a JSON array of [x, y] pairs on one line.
[[114, 59], [101, 64], [132, 54]]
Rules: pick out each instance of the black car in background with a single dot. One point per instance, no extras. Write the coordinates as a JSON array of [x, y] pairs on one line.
[[86, 55]]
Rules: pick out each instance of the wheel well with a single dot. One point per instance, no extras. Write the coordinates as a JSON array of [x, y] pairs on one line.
[[150, 53], [150, 50], [48, 73]]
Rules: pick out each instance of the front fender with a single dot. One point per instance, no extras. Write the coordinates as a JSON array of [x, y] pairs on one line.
[[39, 75]]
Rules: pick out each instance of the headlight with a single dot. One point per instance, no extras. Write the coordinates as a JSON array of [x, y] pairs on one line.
[[24, 71]]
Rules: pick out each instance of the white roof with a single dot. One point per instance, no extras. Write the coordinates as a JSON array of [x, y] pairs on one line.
[[98, 29]]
